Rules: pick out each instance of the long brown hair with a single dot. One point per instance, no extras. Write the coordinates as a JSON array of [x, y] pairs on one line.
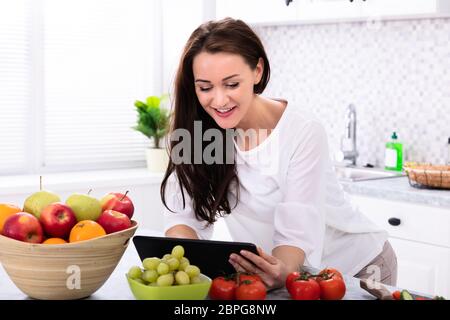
[[208, 184]]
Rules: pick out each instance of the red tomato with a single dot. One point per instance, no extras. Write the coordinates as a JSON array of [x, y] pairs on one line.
[[222, 289], [396, 295], [331, 271], [304, 289], [332, 285], [248, 276], [290, 278], [251, 290]]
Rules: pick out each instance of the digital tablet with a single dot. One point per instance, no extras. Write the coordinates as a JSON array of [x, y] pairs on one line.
[[210, 256]]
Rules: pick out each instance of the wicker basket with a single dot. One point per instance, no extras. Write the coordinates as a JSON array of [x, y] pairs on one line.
[[43, 271], [428, 176]]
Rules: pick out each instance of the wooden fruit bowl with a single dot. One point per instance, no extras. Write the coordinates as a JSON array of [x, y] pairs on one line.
[[63, 271]]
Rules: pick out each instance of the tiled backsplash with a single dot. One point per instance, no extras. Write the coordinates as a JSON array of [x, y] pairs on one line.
[[396, 73]]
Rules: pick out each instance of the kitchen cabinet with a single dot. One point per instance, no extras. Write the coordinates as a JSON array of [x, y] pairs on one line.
[[258, 11], [272, 12], [422, 267], [366, 10], [420, 236], [328, 11]]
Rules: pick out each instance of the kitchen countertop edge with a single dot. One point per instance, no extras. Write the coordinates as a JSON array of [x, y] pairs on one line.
[[398, 189]]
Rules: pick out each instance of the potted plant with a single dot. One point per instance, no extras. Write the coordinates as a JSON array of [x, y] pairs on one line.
[[153, 122]]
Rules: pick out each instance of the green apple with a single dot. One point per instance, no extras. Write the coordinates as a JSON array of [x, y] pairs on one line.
[[86, 207], [36, 202]]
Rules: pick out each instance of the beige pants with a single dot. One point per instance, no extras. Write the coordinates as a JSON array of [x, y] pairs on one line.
[[383, 268]]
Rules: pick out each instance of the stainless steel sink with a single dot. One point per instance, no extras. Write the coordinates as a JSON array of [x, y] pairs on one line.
[[354, 174]]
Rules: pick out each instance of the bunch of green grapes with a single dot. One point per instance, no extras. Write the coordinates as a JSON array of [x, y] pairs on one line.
[[172, 269]]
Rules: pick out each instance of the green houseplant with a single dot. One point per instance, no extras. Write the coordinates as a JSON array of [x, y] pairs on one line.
[[153, 121]]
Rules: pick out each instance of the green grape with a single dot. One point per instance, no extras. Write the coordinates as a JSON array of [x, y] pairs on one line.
[[192, 271], [135, 272], [166, 257], [183, 266], [196, 279], [182, 278], [163, 268], [165, 280], [139, 280], [184, 262], [152, 284], [178, 252], [151, 263], [173, 264], [150, 275]]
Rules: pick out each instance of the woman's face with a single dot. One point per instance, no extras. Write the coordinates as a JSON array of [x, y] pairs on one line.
[[224, 86]]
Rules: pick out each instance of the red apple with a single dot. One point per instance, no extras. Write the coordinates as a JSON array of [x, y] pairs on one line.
[[113, 221], [25, 227], [58, 219], [118, 202]]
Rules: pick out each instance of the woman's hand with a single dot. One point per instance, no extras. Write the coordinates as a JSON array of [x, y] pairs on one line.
[[272, 270]]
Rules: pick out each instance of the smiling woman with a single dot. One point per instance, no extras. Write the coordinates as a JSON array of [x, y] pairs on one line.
[[226, 100], [221, 71], [280, 191]]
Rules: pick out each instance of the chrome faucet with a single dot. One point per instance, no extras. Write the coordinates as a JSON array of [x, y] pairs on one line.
[[348, 149]]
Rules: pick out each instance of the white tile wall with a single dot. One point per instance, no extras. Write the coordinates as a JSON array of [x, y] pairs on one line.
[[396, 73]]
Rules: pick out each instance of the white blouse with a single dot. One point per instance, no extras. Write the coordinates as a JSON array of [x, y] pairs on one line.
[[289, 195]]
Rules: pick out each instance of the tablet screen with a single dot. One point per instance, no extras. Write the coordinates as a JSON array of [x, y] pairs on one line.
[[210, 256]]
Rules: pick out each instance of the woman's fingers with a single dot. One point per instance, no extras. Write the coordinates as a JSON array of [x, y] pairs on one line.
[[268, 269], [267, 257], [252, 262], [263, 262], [236, 266], [244, 264]]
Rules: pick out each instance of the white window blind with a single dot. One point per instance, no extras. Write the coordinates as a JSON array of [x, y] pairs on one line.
[[98, 58], [15, 86]]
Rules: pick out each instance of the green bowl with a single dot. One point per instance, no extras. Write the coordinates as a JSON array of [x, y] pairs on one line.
[[198, 291]]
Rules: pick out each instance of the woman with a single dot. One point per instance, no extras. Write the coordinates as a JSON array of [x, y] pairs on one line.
[[280, 191]]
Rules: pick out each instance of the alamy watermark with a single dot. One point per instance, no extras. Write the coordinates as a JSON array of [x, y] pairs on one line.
[[215, 146], [74, 279], [374, 280]]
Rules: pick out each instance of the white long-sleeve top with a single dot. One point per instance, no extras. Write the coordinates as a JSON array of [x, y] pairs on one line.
[[289, 195]]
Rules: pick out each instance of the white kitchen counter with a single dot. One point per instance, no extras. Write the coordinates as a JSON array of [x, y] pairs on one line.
[[398, 189], [116, 287]]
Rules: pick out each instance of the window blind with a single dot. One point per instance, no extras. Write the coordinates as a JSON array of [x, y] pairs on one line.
[[15, 85], [98, 59]]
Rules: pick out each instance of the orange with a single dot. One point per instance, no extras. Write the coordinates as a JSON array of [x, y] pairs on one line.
[[7, 210], [54, 241], [85, 230]]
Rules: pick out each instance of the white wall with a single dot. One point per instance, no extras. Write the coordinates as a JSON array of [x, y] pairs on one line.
[[396, 73], [179, 19]]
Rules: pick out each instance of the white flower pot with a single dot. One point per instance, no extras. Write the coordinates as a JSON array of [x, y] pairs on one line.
[[157, 159]]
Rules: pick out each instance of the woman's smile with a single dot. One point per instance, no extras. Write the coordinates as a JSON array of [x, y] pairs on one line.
[[224, 112]]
